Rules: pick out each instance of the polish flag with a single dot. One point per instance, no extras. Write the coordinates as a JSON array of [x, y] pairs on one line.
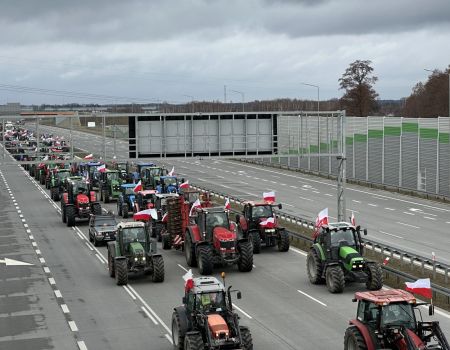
[[89, 156], [138, 187], [172, 172], [101, 168], [421, 287], [322, 219], [386, 260], [188, 281], [268, 223], [227, 204], [165, 217], [185, 184], [352, 219], [269, 196], [196, 204]]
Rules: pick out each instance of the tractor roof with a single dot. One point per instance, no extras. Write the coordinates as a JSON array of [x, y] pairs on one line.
[[146, 164], [257, 203], [386, 297], [74, 178], [167, 177], [146, 192], [207, 284], [111, 170], [339, 225], [207, 210], [128, 185], [167, 195], [130, 224], [93, 164]]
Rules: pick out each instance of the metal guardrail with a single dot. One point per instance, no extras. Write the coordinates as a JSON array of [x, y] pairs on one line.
[[402, 255]]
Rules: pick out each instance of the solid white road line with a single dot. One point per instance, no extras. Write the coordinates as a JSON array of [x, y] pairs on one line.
[[169, 338], [129, 292], [298, 251], [242, 311], [312, 298], [390, 234]]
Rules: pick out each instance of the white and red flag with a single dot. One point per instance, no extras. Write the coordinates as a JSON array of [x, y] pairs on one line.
[[89, 156], [421, 287], [322, 219], [188, 278], [172, 172], [138, 187], [352, 219], [227, 204], [268, 223], [146, 215], [185, 184], [269, 196], [196, 204], [101, 168]]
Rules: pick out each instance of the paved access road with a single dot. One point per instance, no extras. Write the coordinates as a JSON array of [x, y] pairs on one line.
[[281, 307]]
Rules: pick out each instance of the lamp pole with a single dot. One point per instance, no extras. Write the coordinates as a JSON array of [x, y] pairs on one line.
[[243, 98], [448, 74], [192, 101]]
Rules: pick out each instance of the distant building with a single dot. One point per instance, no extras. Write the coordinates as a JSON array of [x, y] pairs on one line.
[[10, 108]]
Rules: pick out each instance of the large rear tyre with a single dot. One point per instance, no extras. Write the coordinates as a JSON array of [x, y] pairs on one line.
[[255, 238], [193, 342], [63, 213], [245, 262], [314, 267], [205, 260], [375, 277], [121, 271], [189, 251], [111, 269], [166, 243], [283, 241], [353, 339], [70, 216], [247, 341], [158, 269], [105, 196], [119, 208], [335, 279], [97, 209], [177, 332], [125, 210]]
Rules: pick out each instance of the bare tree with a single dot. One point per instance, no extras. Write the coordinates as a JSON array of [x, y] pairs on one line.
[[359, 98]]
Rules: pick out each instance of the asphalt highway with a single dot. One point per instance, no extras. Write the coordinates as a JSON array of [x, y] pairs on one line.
[[281, 307]]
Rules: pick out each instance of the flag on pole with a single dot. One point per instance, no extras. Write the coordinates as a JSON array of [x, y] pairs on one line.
[[101, 168], [352, 219], [185, 184], [268, 223], [196, 204], [322, 219], [89, 156], [172, 172], [269, 196], [188, 281], [138, 187], [227, 204], [421, 287], [386, 260]]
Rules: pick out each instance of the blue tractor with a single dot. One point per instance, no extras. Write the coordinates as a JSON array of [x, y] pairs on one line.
[[168, 184], [125, 202]]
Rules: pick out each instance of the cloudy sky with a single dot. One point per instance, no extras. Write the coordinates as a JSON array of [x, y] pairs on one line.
[[148, 50]]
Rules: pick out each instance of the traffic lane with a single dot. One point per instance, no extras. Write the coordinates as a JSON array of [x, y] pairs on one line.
[[30, 317], [105, 317], [306, 203]]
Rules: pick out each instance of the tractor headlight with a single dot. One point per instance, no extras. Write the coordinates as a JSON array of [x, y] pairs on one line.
[[270, 230], [143, 258], [135, 259]]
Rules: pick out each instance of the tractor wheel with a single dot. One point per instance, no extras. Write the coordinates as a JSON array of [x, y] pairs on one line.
[[375, 277], [314, 267], [158, 269], [189, 251], [125, 210], [105, 196], [119, 209], [245, 262], [121, 271], [205, 260], [255, 238], [193, 342], [283, 241], [166, 244], [111, 268], [70, 215], [47, 184], [53, 193], [42, 180], [353, 339], [97, 209], [335, 279], [247, 341], [177, 332], [63, 213], [96, 243]]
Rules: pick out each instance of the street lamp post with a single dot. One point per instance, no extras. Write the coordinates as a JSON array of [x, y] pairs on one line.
[[432, 71], [192, 101], [243, 98]]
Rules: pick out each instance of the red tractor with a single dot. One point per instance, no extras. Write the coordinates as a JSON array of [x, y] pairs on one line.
[[79, 201], [386, 320], [212, 239], [260, 225], [144, 200]]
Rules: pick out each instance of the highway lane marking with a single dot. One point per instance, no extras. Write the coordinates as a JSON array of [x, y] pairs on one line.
[[242, 311], [391, 234], [89, 246], [169, 338], [389, 209], [408, 225], [328, 194], [148, 314], [42, 260], [408, 213], [293, 186], [316, 192], [51, 280], [65, 309], [98, 257], [311, 297], [428, 218], [46, 269], [182, 267], [57, 293], [298, 251], [353, 210], [82, 345], [372, 205], [354, 200], [73, 326], [38, 252], [129, 292]]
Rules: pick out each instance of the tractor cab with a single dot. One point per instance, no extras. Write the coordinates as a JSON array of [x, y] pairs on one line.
[[90, 170], [207, 296], [144, 200], [110, 182], [208, 220], [130, 234], [167, 184], [160, 201], [152, 175], [141, 166]]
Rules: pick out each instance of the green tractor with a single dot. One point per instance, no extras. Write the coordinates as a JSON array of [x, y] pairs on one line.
[[57, 183], [336, 258], [109, 184], [151, 176], [134, 251]]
